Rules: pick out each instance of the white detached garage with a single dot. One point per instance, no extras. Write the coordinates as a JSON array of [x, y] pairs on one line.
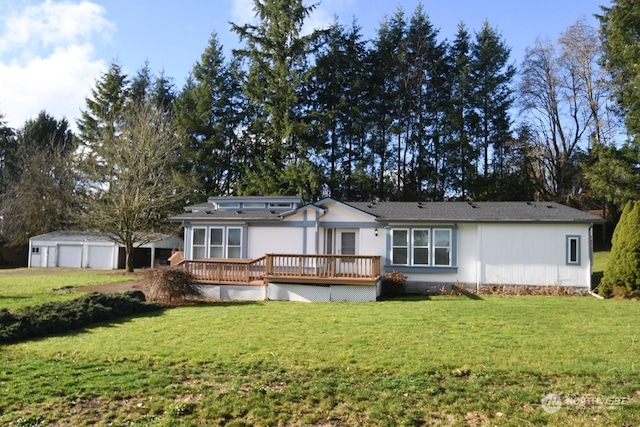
[[94, 250]]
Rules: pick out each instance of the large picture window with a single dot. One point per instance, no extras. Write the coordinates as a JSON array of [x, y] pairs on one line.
[[422, 247], [216, 242]]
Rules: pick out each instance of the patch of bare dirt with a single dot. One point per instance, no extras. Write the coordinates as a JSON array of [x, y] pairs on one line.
[[115, 287]]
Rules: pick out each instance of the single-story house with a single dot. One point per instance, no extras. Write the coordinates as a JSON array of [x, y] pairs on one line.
[[284, 248], [95, 250]]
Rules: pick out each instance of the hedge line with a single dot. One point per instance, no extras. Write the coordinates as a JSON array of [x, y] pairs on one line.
[[57, 317]]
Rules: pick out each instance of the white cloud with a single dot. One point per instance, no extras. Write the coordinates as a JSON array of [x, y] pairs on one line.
[[47, 58], [242, 12]]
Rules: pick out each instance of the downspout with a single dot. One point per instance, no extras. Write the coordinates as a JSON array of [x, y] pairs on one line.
[[479, 257]]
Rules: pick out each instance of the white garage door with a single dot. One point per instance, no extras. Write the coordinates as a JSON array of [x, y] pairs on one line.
[[70, 256], [100, 257]]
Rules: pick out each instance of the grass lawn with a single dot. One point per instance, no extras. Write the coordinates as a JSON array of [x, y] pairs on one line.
[[600, 260], [447, 360], [27, 287]]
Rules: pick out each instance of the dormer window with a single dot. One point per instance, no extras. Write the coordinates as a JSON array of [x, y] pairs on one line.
[[251, 205], [281, 205]]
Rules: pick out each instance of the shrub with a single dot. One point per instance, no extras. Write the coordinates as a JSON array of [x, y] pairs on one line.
[[169, 285], [622, 273], [57, 317], [394, 283]]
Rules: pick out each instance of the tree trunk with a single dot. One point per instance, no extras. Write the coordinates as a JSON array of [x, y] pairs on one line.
[[128, 251]]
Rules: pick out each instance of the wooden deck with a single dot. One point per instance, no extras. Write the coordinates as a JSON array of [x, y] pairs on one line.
[[287, 268]]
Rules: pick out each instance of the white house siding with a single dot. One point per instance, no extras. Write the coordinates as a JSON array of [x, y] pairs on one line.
[[337, 212], [532, 254], [466, 247], [274, 239], [512, 254], [340, 217]]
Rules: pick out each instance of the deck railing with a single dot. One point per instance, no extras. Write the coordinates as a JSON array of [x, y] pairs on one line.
[[285, 266], [323, 266], [215, 270]]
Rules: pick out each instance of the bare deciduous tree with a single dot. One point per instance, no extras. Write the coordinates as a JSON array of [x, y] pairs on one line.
[[130, 181], [565, 98]]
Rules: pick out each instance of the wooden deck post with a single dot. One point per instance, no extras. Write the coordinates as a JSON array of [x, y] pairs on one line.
[[269, 264]]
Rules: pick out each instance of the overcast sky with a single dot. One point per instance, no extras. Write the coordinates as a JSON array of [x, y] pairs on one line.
[[53, 51]]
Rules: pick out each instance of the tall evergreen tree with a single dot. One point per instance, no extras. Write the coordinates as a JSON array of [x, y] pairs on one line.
[[277, 58], [620, 30], [384, 92], [207, 113], [491, 74], [462, 117], [336, 85], [427, 93], [105, 106]]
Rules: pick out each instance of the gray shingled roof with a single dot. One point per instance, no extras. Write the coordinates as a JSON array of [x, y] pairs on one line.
[[475, 212], [417, 212], [72, 236]]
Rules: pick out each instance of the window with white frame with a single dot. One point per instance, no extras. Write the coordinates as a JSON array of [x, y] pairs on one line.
[[199, 243], [400, 247], [442, 247], [573, 250], [217, 242], [234, 243], [422, 247]]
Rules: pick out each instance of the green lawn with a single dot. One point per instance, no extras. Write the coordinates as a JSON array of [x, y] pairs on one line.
[[27, 287], [600, 259], [448, 360]]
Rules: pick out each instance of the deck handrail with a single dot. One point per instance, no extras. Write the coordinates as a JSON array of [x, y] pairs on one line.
[[273, 266], [323, 266], [222, 270]]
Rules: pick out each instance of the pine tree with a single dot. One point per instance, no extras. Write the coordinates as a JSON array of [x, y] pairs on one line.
[[427, 93], [106, 105], [277, 57], [207, 113], [336, 92], [620, 33], [384, 97], [462, 118], [491, 76], [622, 274]]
